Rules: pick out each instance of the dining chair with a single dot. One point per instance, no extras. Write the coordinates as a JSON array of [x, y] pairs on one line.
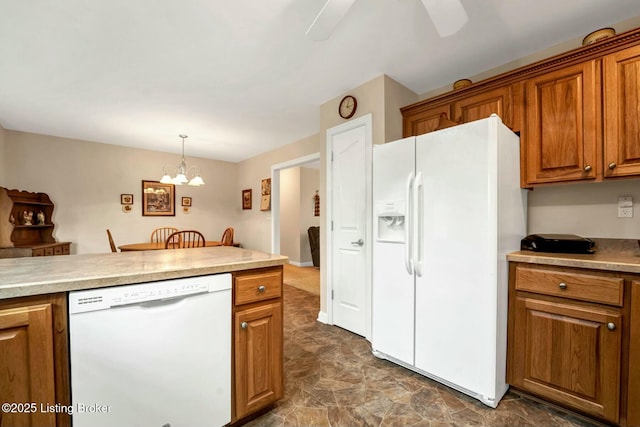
[[111, 243], [185, 239], [227, 237], [159, 235]]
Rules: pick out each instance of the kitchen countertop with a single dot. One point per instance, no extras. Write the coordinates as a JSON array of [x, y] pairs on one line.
[[43, 275], [621, 255]]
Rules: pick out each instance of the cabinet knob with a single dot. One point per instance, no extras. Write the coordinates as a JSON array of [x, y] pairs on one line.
[[244, 325], [612, 165], [261, 288], [587, 168], [562, 285], [611, 326]]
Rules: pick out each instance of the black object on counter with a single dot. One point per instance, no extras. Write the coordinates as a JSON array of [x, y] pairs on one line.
[[558, 243]]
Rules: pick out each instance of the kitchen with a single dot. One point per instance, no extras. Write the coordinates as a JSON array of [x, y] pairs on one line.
[[61, 166]]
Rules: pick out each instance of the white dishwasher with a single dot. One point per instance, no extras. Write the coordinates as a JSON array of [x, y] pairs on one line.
[[154, 354]]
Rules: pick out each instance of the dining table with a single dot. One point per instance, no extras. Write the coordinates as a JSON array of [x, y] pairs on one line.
[[152, 246]]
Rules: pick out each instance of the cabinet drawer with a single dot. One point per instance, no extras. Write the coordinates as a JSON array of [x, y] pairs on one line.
[[585, 287], [66, 250], [258, 287], [37, 252], [57, 250], [48, 251]]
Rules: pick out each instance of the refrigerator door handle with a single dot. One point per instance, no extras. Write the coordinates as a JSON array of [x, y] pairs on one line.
[[417, 225], [408, 242]]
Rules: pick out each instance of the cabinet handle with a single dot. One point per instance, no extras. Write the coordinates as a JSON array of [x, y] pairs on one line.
[[261, 288], [562, 286], [587, 168], [611, 326], [612, 165], [244, 325]]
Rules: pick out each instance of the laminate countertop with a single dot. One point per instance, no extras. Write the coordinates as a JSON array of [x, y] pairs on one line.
[[44, 275], [621, 255]]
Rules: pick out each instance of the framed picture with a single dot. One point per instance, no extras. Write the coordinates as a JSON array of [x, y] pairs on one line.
[[266, 186], [246, 199], [265, 203], [186, 201], [126, 199], [158, 199]]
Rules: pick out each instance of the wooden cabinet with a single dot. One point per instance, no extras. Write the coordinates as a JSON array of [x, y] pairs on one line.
[[566, 339], [257, 341], [34, 363], [25, 224], [423, 118], [576, 112], [561, 125], [621, 96], [633, 409], [482, 105]]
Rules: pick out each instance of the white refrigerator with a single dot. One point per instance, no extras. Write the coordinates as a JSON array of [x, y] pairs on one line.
[[447, 209]]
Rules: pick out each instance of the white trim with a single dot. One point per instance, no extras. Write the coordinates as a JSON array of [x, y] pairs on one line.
[[367, 122], [275, 195]]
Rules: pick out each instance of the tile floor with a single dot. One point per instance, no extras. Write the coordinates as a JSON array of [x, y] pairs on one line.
[[332, 379]]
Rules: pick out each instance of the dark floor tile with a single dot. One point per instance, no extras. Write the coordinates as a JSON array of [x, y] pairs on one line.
[[333, 379]]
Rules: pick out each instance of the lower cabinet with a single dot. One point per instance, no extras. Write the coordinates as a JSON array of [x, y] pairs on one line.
[[258, 361], [34, 373], [569, 339], [569, 354]]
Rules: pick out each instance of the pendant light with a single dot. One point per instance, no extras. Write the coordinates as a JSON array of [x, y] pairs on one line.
[[181, 172]]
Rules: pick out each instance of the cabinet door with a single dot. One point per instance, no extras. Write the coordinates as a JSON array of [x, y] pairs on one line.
[[568, 354], [258, 357], [561, 125], [424, 121], [621, 125], [484, 104], [26, 365]]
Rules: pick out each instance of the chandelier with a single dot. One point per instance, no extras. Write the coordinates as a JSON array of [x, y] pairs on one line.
[[181, 172]]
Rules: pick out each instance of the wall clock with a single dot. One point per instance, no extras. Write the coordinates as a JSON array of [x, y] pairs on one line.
[[347, 107]]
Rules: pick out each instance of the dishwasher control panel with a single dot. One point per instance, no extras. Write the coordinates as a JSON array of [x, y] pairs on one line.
[[104, 298]]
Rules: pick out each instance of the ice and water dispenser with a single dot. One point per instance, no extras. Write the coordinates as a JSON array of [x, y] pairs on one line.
[[390, 215]]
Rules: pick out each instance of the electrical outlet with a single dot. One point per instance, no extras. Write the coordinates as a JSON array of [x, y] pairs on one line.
[[625, 207]]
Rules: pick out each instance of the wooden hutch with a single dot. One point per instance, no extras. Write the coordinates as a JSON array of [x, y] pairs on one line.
[[25, 225]]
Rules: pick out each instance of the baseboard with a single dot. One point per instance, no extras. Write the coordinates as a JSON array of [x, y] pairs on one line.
[[323, 317], [301, 264]]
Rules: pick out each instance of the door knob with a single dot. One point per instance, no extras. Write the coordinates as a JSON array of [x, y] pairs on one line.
[[587, 168], [359, 242], [611, 326], [612, 165], [261, 288], [244, 325], [562, 285]]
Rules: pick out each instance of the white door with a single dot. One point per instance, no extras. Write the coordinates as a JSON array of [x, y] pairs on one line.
[[350, 146], [455, 339]]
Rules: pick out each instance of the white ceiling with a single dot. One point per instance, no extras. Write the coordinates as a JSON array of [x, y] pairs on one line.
[[239, 76]]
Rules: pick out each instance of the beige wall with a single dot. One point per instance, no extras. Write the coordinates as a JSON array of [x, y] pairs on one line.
[[3, 157], [256, 224], [309, 183], [85, 179], [589, 210], [395, 97], [290, 214], [297, 188]]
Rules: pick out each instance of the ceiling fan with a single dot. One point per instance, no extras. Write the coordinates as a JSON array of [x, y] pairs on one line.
[[448, 16]]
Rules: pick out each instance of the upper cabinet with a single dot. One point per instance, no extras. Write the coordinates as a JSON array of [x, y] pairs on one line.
[[621, 96], [484, 104], [561, 132], [577, 113]]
